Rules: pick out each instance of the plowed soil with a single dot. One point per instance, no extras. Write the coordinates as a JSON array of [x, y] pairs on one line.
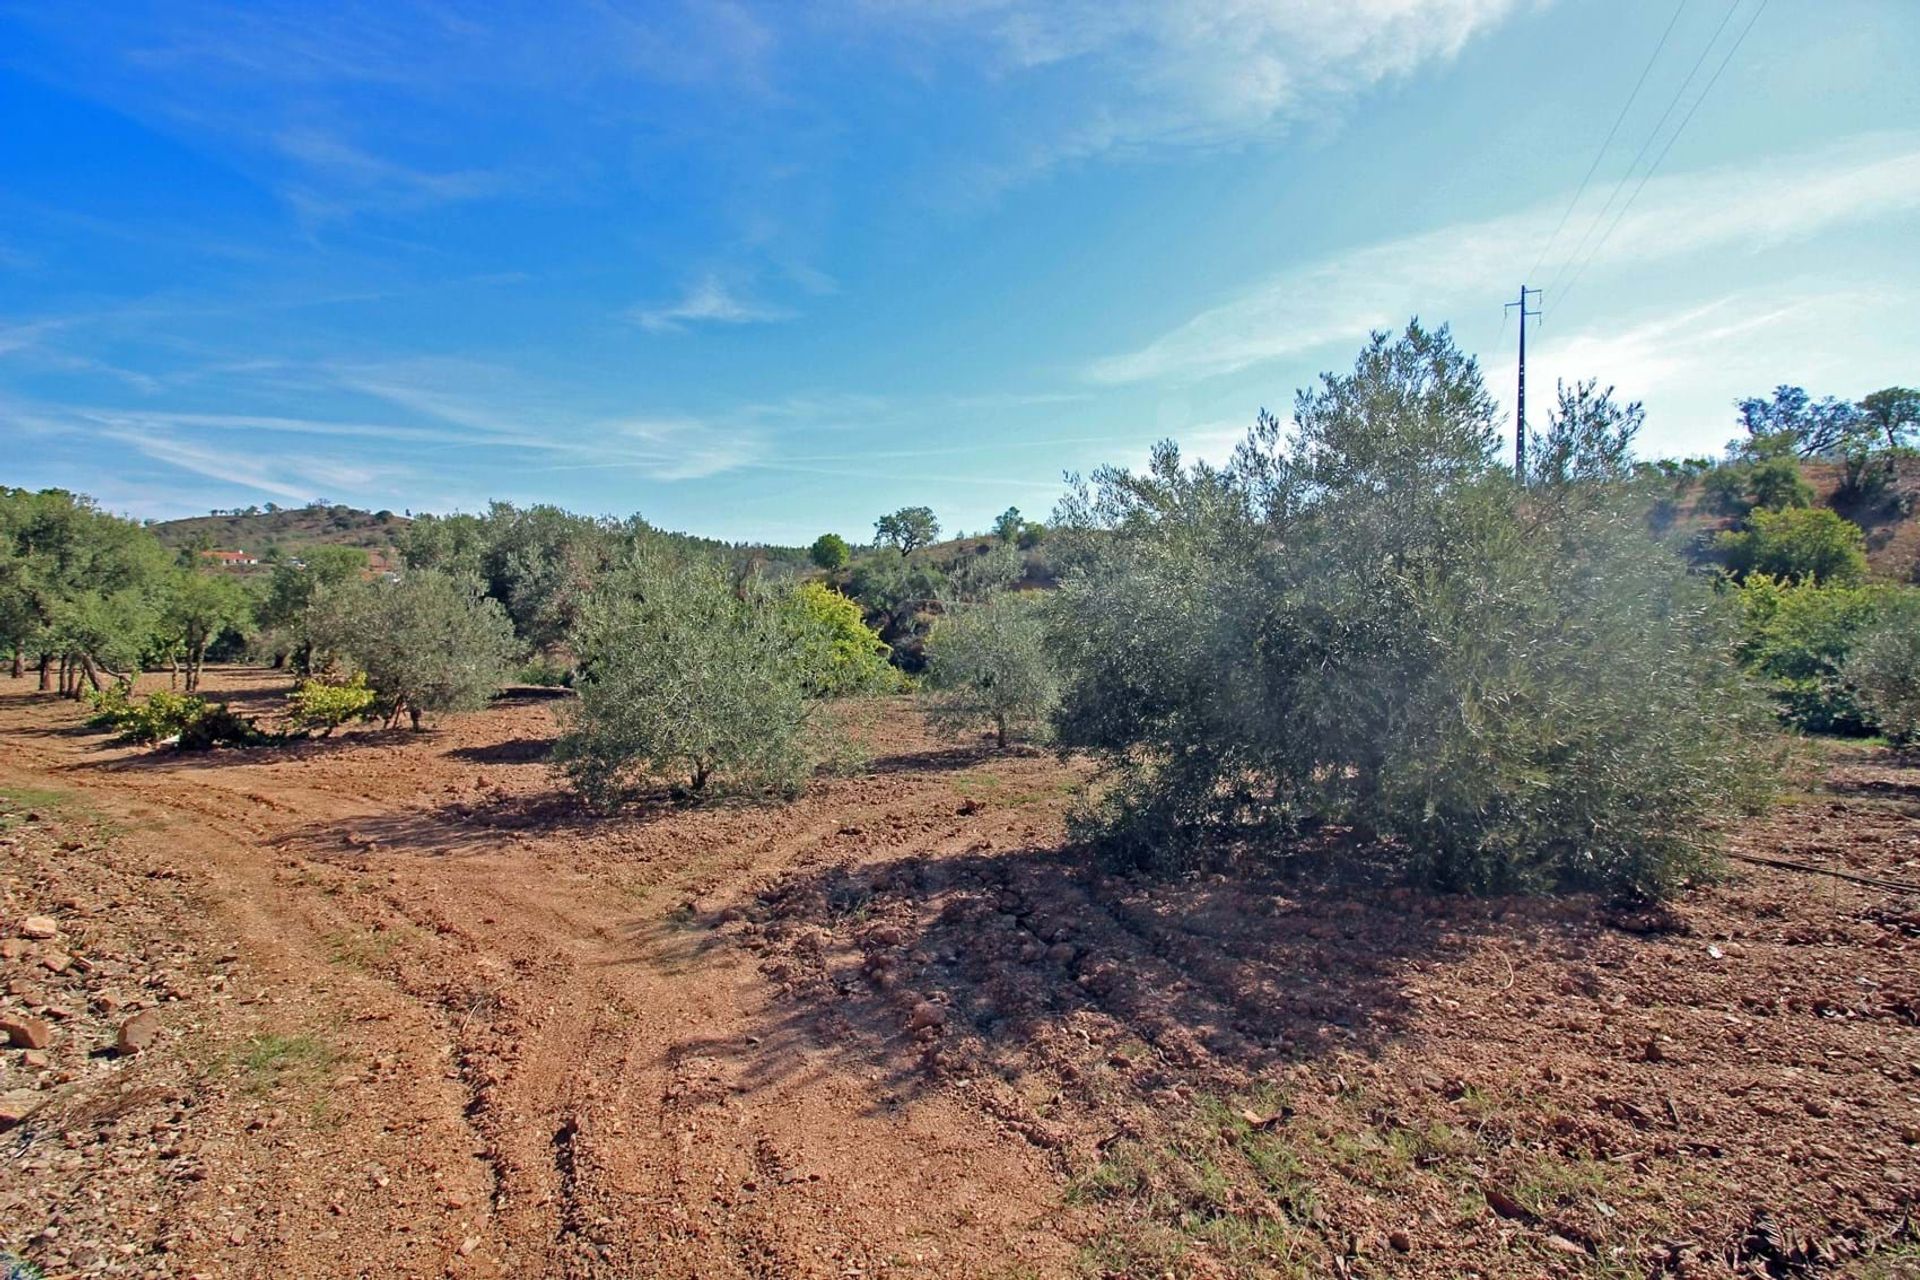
[[418, 1015]]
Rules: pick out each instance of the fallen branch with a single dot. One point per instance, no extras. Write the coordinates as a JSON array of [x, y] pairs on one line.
[[1874, 882]]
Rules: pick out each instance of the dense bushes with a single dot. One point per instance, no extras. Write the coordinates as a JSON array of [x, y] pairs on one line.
[[842, 654], [192, 722], [1796, 637], [1371, 625]]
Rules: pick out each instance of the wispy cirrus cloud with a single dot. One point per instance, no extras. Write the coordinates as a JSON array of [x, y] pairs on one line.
[[1339, 299], [708, 300], [1125, 76]]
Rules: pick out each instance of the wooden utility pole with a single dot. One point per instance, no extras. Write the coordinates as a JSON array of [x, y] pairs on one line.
[[1520, 406]]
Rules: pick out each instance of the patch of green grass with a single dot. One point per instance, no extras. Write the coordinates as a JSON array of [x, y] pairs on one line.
[[1899, 1261], [270, 1059], [1548, 1182], [1221, 1184], [357, 950]]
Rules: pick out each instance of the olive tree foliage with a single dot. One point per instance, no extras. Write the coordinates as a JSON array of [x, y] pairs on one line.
[[285, 614], [1883, 670], [686, 674], [989, 666], [1365, 622], [428, 643], [1589, 438]]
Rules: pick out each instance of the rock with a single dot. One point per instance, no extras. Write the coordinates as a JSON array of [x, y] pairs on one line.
[[1062, 953], [16, 1107], [1560, 1244], [926, 1014], [26, 1033], [56, 961], [40, 927], [35, 1060], [137, 1032], [468, 1245], [1401, 1241], [12, 948]]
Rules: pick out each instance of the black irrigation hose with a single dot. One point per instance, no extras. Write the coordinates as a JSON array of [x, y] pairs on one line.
[[1900, 886]]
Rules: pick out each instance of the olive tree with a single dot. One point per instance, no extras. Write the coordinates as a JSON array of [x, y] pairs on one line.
[[1884, 672], [988, 665], [428, 642], [1364, 623], [686, 674]]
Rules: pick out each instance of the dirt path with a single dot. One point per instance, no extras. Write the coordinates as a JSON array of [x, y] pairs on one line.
[[420, 1016], [544, 1066]]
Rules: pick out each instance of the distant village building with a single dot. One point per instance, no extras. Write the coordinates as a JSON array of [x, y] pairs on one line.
[[229, 559]]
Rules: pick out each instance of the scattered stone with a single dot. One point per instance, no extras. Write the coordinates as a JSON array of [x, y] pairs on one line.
[[39, 928], [26, 1033], [12, 948], [35, 1060], [1401, 1241], [56, 961], [137, 1032], [926, 1014], [468, 1245], [17, 1106]]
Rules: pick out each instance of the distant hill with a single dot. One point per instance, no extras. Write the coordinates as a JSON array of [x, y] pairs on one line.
[[1891, 519], [287, 532]]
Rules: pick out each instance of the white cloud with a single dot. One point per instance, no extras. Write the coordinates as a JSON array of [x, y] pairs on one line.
[[1341, 298], [707, 301], [298, 477], [1125, 74]]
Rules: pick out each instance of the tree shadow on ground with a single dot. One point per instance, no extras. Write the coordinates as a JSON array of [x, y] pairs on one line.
[[159, 758], [938, 760], [1036, 962], [486, 824], [512, 751]]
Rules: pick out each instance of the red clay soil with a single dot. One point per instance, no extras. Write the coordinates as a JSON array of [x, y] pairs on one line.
[[419, 1015]]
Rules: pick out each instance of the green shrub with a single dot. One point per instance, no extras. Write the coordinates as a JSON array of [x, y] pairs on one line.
[[1776, 484], [1798, 543], [1796, 636], [109, 707], [196, 723], [1884, 669], [843, 654], [1364, 622], [545, 672], [326, 705], [988, 664]]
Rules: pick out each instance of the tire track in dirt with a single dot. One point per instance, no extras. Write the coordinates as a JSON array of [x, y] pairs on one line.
[[635, 1100]]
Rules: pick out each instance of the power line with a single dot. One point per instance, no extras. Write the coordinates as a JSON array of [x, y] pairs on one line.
[[1618, 217], [1606, 142], [1652, 136]]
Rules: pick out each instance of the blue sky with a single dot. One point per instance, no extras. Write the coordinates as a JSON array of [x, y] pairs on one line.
[[763, 270]]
